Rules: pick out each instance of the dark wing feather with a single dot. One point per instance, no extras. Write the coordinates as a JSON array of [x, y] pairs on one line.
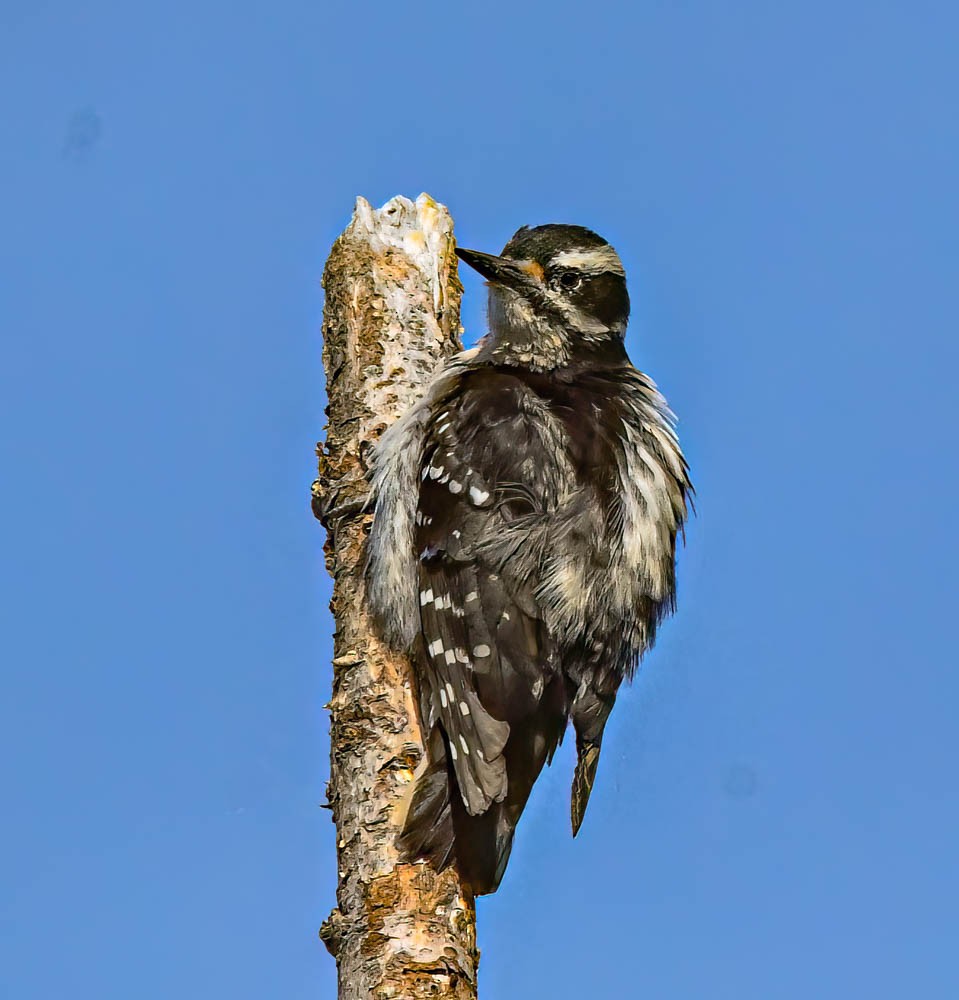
[[455, 503], [488, 663]]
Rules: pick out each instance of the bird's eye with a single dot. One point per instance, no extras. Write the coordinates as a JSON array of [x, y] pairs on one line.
[[569, 281]]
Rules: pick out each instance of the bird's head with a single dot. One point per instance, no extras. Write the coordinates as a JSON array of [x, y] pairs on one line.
[[557, 294]]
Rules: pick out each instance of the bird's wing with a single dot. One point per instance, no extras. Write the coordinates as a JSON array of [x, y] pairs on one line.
[[486, 654]]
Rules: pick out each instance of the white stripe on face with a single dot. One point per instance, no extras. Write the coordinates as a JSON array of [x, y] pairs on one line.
[[594, 261]]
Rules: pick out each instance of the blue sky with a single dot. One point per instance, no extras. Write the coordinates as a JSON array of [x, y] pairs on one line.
[[776, 810]]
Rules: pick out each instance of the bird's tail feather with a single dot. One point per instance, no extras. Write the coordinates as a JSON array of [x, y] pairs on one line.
[[438, 829], [483, 845], [428, 830], [438, 825]]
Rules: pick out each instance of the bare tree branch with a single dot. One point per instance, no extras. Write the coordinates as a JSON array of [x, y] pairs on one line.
[[392, 315]]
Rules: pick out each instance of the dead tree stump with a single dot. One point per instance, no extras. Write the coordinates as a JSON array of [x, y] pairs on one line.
[[391, 317]]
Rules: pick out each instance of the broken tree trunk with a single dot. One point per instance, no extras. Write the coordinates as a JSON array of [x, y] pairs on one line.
[[391, 316]]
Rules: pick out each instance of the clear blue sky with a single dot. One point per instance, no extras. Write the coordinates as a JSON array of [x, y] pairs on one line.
[[776, 812]]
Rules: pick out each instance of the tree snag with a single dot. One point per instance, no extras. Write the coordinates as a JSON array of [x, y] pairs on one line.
[[391, 317]]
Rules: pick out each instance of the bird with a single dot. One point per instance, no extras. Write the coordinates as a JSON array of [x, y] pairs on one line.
[[523, 543]]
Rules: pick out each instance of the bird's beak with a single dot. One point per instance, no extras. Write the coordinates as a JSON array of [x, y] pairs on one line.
[[521, 275]]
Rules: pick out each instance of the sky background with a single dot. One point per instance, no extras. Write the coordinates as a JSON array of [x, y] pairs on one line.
[[776, 812]]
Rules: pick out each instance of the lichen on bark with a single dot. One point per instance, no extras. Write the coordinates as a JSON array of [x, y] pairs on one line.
[[391, 317]]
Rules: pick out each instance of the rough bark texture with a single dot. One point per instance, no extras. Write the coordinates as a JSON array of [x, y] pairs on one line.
[[392, 314]]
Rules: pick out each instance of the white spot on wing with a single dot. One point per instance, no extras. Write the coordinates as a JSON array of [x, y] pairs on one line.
[[464, 745], [436, 647], [481, 650], [478, 496]]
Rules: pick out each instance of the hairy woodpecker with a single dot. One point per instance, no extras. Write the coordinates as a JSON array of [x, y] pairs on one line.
[[523, 542]]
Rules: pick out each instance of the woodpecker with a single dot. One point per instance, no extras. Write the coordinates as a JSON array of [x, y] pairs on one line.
[[523, 543]]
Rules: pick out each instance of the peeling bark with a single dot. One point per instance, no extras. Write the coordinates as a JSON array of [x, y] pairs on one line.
[[391, 316]]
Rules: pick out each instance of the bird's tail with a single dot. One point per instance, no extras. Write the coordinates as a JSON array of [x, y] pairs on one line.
[[438, 826], [428, 829], [440, 830]]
